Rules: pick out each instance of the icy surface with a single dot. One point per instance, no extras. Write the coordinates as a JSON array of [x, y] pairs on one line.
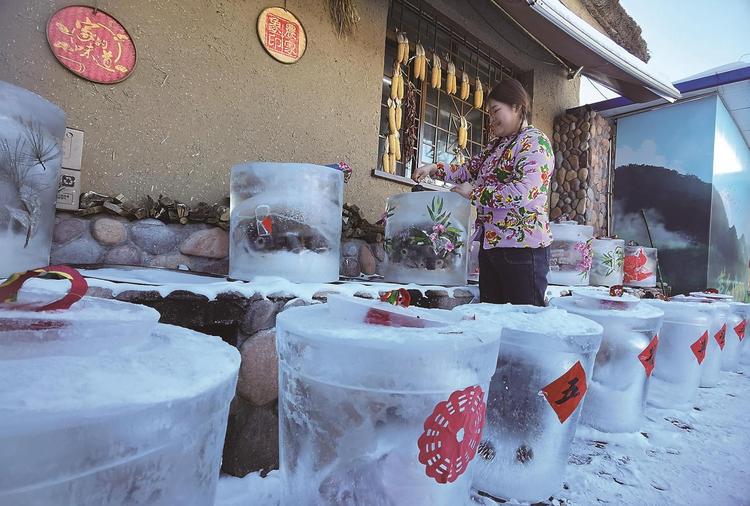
[[607, 262], [355, 398], [301, 238], [618, 389], [689, 458], [429, 263], [31, 132], [91, 325], [570, 254], [143, 425], [166, 281]]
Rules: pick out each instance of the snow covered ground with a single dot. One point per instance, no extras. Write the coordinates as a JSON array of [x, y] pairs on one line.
[[699, 457]]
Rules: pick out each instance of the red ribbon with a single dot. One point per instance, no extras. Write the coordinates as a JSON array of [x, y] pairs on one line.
[[10, 288]]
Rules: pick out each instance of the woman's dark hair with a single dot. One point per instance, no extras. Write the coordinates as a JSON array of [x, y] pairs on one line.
[[510, 91]]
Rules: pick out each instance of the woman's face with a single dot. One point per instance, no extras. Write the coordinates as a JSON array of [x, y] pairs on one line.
[[504, 119]]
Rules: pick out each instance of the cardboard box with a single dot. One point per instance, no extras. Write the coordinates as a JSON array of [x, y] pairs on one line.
[[69, 189]]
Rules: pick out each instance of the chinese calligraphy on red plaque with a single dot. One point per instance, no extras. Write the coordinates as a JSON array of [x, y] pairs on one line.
[[91, 44], [566, 392], [281, 34]]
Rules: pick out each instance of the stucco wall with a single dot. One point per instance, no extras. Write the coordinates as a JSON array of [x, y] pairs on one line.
[[225, 100]]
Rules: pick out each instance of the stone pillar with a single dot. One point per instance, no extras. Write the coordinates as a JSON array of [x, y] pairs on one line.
[[580, 188]]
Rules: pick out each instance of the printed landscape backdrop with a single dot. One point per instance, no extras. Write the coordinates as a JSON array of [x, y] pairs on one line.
[[688, 167]]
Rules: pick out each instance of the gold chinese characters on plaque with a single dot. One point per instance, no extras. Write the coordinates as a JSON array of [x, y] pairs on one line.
[[281, 34]]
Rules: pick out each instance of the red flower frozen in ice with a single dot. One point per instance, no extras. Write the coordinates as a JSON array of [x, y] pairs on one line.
[[634, 267], [452, 434]]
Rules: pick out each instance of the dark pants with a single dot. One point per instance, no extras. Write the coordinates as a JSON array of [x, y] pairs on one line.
[[513, 275]]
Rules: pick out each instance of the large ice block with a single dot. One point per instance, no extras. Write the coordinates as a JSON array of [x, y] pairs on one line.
[[91, 326], [31, 133], [426, 238], [640, 266], [380, 415], [526, 442], [616, 399], [140, 425], [608, 261], [743, 310], [683, 342], [570, 254], [717, 337], [285, 221]]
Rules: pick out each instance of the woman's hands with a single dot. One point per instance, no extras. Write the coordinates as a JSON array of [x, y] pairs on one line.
[[463, 189], [424, 171]]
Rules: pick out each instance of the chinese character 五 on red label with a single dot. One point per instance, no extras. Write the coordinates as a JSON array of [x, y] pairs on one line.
[[566, 392], [740, 329], [648, 355], [721, 336], [699, 347]]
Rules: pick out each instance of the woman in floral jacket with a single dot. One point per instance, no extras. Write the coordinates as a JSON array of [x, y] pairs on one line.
[[509, 184]]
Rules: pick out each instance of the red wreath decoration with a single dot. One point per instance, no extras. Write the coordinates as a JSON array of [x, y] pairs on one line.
[[445, 456]]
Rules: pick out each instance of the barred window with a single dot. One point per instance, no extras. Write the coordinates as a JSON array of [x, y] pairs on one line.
[[437, 113]]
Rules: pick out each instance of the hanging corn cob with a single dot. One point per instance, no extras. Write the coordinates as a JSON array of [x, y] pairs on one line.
[[392, 128], [395, 78], [437, 72], [386, 158], [420, 62], [464, 86], [402, 52], [463, 133], [450, 80], [478, 94], [398, 114]]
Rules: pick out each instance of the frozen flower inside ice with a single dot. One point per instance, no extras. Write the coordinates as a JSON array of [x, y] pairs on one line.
[[449, 246], [438, 228]]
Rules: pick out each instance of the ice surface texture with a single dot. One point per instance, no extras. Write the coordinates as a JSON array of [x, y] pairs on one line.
[[31, 133], [427, 238], [617, 392], [524, 446], [285, 221], [141, 425], [607, 263], [353, 402], [91, 326]]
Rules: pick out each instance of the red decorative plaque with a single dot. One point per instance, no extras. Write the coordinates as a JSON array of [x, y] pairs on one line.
[[281, 34], [91, 44]]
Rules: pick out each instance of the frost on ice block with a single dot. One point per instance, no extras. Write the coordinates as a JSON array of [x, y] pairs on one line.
[[426, 238], [570, 254], [139, 425], [90, 326], [683, 342], [285, 221], [545, 362], [616, 399], [710, 374], [380, 415], [31, 133]]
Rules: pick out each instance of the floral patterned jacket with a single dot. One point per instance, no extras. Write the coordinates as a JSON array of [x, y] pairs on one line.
[[511, 187]]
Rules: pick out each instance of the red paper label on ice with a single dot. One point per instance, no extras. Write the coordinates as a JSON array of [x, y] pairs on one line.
[[699, 347], [648, 355], [721, 336], [740, 329], [566, 392], [451, 434]]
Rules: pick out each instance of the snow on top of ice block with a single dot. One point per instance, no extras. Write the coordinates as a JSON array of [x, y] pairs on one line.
[[97, 311], [537, 320], [166, 281], [321, 323], [175, 363], [639, 311]]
